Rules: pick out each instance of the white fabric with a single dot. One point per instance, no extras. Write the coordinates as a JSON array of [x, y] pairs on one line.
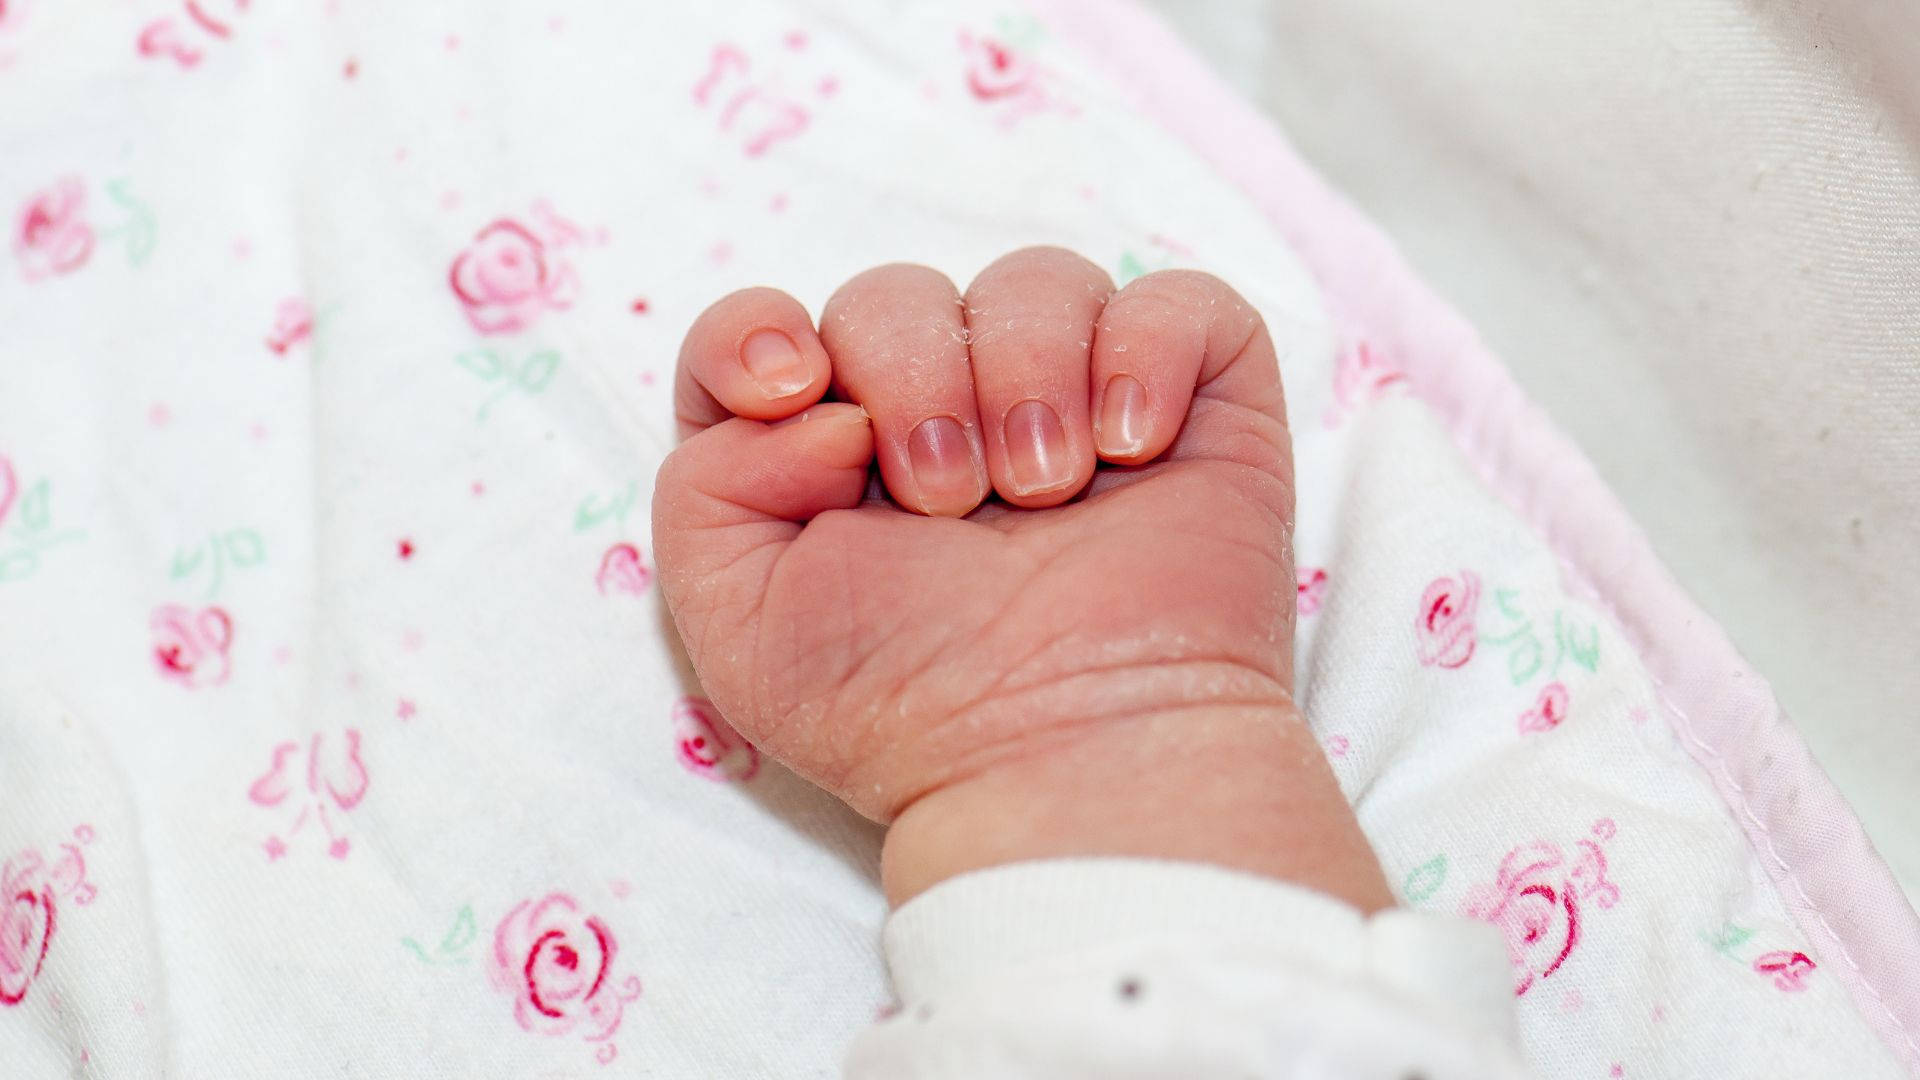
[[1692, 227], [1123, 968], [346, 734]]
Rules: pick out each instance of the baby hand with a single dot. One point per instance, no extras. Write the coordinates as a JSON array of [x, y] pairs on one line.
[[1097, 662]]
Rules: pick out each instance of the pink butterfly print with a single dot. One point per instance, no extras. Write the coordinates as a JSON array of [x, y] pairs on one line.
[[761, 112], [1789, 969], [1443, 630], [623, 570], [1548, 711], [312, 782], [1312, 585], [190, 647], [709, 746]]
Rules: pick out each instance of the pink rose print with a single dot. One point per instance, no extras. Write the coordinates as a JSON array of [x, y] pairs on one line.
[[1537, 900], [505, 279], [32, 891], [292, 324], [26, 930], [994, 70], [190, 647], [1548, 711], [52, 236], [1789, 969], [306, 781], [1444, 627], [1312, 583], [558, 964], [9, 484], [1359, 376], [709, 746], [623, 570], [1006, 80]]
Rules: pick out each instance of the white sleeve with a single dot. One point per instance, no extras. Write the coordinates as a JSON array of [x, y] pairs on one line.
[[1130, 969]]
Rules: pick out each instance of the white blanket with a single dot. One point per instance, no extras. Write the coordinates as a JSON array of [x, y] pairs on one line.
[[335, 345]]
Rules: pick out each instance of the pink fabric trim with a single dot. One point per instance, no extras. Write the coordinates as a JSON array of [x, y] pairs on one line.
[[1802, 831]]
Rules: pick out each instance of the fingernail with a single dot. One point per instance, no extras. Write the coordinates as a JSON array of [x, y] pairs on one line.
[[775, 364], [1123, 417], [1036, 448], [943, 468]]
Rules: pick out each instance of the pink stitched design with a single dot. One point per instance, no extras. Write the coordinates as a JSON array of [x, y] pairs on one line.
[[1548, 710], [505, 279], [623, 570], [190, 647], [312, 781], [1360, 376], [709, 746], [1537, 901], [1311, 583], [292, 324], [52, 235], [1789, 969], [1443, 629], [32, 888], [557, 962]]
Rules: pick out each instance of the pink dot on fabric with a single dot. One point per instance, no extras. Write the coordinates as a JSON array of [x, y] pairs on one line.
[[647, 378], [556, 24], [449, 199], [463, 113], [159, 415], [1572, 1002], [406, 710], [258, 431], [1616, 1071], [400, 156], [829, 86], [411, 640], [796, 40], [621, 888], [453, 42], [479, 489], [1338, 746], [282, 655], [242, 248], [721, 253], [779, 203]]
